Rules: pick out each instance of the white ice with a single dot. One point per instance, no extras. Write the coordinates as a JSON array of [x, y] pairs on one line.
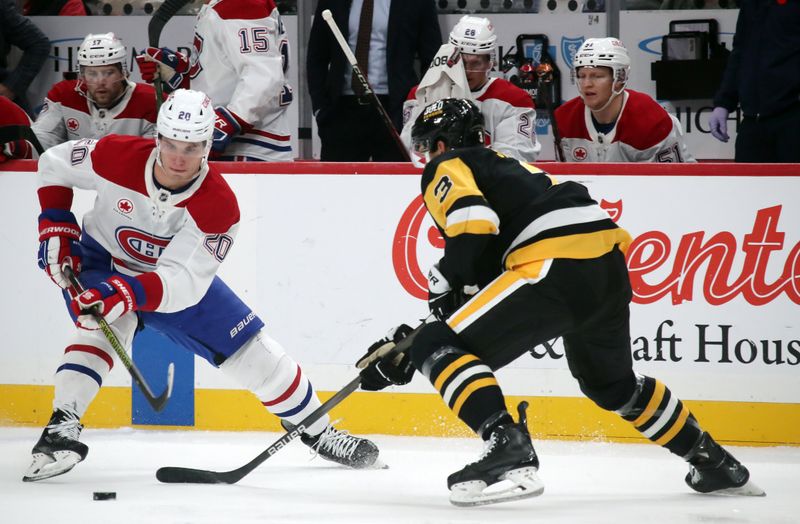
[[584, 483]]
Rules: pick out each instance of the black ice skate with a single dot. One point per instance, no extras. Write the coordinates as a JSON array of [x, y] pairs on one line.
[[509, 456], [58, 449], [341, 447], [713, 470]]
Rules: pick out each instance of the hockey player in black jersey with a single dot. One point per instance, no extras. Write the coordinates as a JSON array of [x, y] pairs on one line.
[[546, 261]]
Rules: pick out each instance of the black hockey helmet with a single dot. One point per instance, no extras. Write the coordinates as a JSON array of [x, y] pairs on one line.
[[456, 121]]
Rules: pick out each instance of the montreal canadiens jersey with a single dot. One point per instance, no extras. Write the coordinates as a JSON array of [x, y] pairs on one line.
[[509, 114], [498, 213], [69, 115], [644, 132], [172, 243], [240, 60]]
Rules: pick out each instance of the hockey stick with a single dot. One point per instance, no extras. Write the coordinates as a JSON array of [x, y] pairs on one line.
[[156, 402], [173, 474], [159, 19], [12, 133], [368, 92]]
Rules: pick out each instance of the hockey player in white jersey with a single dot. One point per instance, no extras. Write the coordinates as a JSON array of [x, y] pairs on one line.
[[609, 123], [240, 58], [148, 252], [101, 101], [508, 110]]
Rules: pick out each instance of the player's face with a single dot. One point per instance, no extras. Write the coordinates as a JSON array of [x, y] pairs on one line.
[[595, 85], [181, 162], [477, 68], [104, 84]]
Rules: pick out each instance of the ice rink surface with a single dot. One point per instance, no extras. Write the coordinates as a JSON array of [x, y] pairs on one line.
[[584, 483]]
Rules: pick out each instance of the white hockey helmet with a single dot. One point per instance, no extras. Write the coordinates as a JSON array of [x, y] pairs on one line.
[[604, 52], [102, 49], [187, 116], [474, 36]]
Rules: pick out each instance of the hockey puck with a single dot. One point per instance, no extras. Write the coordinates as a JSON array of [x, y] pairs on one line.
[[104, 495]]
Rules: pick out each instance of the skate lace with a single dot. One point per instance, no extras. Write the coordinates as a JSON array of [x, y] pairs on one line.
[[336, 443], [487, 448], [70, 427]]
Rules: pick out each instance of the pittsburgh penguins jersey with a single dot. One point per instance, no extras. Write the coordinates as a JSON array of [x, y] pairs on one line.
[[644, 132], [240, 60], [68, 115], [497, 213], [171, 243], [509, 115]]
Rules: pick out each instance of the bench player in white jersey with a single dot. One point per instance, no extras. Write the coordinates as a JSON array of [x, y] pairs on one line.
[[159, 193], [508, 110], [240, 58], [608, 123], [101, 101]]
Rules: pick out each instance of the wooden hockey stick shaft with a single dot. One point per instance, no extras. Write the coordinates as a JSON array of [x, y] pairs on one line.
[[156, 402], [12, 133], [173, 474], [368, 92], [157, 22]]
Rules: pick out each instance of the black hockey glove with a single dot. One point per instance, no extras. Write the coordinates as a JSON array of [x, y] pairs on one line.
[[443, 300], [379, 368]]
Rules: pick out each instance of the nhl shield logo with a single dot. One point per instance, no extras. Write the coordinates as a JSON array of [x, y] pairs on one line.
[[570, 46]]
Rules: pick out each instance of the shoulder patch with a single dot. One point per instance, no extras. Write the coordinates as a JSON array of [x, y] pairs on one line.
[[65, 94], [141, 104], [643, 123], [244, 9], [214, 207], [570, 119], [504, 90], [122, 159], [412, 94]]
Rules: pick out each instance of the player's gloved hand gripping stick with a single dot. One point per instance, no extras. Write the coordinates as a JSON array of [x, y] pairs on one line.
[[156, 402]]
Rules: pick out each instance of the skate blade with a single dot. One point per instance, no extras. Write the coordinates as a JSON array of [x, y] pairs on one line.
[[44, 466], [750, 489], [526, 484]]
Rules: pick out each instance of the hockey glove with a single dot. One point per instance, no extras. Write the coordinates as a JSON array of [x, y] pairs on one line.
[[58, 244], [718, 122], [111, 299], [169, 65], [379, 368], [443, 300], [226, 127]]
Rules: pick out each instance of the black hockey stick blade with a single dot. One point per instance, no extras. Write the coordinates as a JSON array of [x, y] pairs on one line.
[[156, 402], [12, 133], [174, 474], [177, 475], [160, 18]]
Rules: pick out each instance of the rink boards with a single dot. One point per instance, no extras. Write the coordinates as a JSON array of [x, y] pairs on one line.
[[332, 255]]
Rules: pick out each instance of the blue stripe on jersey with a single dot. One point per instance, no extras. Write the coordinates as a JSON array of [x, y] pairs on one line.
[[81, 369], [262, 144], [300, 407]]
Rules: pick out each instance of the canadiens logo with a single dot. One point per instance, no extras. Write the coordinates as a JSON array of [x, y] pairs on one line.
[[73, 124], [125, 206], [141, 246], [579, 153], [417, 245]]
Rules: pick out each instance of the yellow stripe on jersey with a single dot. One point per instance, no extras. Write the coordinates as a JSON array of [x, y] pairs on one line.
[[478, 220], [487, 295], [453, 180], [578, 246], [452, 368], [469, 390], [652, 406]]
